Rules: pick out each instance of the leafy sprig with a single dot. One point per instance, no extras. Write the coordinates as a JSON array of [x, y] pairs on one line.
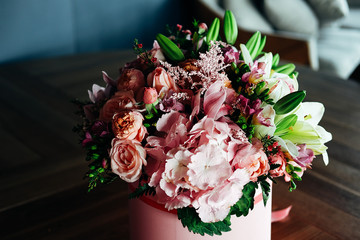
[[190, 219], [144, 189]]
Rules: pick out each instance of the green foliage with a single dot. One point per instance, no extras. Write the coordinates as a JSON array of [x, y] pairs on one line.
[[246, 202], [289, 102], [292, 171], [265, 187], [144, 189], [190, 219]]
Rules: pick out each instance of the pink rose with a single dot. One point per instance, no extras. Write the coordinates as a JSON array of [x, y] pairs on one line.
[[150, 95], [280, 160], [127, 159], [161, 81], [253, 158], [120, 101], [127, 125]]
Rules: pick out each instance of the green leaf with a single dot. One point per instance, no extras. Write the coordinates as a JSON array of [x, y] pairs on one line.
[[213, 32], [142, 190], [230, 27], [265, 187], [289, 102], [284, 124], [190, 219], [246, 202], [169, 48]]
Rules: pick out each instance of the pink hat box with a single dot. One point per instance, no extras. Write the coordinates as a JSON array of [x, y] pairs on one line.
[[150, 221]]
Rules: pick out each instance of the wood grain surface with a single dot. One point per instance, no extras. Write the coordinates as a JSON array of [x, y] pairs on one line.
[[43, 195]]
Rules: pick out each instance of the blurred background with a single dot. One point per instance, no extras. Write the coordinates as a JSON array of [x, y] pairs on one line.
[[52, 51], [323, 34], [32, 29]]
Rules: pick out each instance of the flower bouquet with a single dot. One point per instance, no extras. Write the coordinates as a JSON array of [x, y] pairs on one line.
[[198, 125]]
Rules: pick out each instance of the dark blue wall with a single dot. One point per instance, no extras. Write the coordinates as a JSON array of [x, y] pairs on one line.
[[44, 28]]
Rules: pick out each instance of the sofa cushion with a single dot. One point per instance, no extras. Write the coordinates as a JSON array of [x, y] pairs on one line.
[[293, 16], [339, 51], [247, 16], [329, 10], [352, 20]]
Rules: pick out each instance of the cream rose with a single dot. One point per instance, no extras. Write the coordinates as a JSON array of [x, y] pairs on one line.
[[127, 159], [120, 101], [127, 125]]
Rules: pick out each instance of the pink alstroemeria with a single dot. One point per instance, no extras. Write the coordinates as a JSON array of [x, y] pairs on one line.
[[305, 156], [255, 75], [231, 56]]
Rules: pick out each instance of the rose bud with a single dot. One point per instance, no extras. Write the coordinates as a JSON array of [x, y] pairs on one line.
[[150, 95], [202, 27]]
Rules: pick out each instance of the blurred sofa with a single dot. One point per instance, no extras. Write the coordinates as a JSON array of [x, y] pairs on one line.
[[323, 34]]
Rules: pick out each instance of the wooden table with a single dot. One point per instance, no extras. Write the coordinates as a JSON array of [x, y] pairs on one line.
[[43, 196]]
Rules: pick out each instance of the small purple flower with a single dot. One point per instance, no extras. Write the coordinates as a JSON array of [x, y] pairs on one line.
[[100, 129], [88, 139]]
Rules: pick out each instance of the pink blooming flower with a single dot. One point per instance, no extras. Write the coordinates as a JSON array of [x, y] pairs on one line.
[[97, 94], [127, 159], [231, 56], [255, 75], [252, 158], [214, 100], [305, 156], [150, 95], [214, 205], [175, 176], [161, 81], [209, 166], [279, 159]]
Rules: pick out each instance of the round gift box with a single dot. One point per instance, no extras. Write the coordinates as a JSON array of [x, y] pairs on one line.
[[149, 221]]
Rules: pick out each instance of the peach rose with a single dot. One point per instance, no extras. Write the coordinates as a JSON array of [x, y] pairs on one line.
[[161, 81], [127, 125], [150, 95], [252, 158], [280, 160], [127, 159], [120, 101]]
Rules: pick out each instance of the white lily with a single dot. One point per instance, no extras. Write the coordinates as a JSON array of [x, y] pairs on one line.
[[306, 129]]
